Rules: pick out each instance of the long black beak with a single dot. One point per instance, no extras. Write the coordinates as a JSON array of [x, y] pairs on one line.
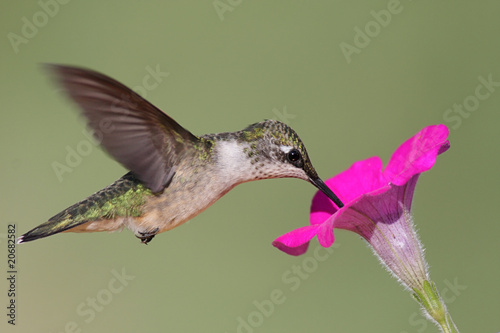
[[326, 190]]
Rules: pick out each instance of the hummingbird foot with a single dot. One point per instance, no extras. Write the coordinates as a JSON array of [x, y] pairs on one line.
[[146, 237]]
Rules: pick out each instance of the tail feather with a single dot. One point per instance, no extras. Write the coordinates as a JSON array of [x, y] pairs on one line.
[[58, 223], [122, 198]]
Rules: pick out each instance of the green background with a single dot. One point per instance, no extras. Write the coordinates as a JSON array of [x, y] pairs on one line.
[[253, 62]]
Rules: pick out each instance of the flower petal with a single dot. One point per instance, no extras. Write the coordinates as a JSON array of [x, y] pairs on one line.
[[374, 199], [418, 154], [325, 232], [293, 251], [296, 241], [362, 177], [384, 220]]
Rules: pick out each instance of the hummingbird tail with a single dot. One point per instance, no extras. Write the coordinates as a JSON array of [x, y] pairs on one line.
[[105, 210], [48, 228]]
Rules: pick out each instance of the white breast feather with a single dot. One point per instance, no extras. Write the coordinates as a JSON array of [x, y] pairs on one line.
[[234, 163]]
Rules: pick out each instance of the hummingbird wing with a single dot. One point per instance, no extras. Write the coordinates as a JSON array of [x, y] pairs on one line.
[[136, 133]]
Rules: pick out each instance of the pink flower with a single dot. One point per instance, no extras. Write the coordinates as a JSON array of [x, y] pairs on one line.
[[377, 206]]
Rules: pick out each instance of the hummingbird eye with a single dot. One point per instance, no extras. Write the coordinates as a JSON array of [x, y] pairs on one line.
[[293, 155]]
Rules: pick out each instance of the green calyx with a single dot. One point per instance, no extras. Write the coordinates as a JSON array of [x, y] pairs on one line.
[[428, 296]]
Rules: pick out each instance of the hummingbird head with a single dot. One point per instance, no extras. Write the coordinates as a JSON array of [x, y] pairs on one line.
[[272, 149]]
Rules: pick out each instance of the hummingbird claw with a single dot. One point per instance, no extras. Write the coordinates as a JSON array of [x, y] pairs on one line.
[[146, 237]]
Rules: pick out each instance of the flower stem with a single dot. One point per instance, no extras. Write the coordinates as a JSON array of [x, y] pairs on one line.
[[428, 296]]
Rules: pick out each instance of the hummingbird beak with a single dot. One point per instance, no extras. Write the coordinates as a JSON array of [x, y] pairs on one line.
[[326, 190]]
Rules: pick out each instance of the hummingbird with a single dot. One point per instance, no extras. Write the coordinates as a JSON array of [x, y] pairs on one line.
[[173, 175]]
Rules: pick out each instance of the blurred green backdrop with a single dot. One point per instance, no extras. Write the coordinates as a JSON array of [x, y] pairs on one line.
[[349, 94]]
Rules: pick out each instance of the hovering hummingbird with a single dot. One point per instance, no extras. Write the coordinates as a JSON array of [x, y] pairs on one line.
[[174, 175]]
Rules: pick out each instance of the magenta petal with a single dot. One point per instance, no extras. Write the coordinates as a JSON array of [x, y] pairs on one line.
[[293, 251], [417, 154], [325, 233], [377, 205], [384, 220], [296, 241], [362, 177], [322, 208]]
